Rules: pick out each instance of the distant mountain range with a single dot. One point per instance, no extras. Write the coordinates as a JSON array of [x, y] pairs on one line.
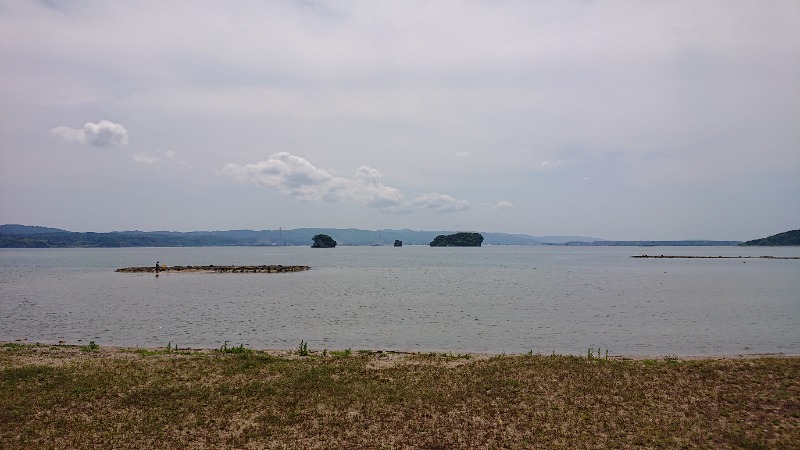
[[25, 236]]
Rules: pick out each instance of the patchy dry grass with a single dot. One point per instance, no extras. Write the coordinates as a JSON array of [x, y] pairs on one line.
[[67, 397]]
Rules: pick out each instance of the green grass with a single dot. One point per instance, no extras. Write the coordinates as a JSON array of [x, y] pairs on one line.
[[14, 346], [342, 353], [91, 347], [170, 349], [241, 349], [60, 397]]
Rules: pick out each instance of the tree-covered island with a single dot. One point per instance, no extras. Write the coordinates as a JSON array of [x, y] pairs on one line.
[[323, 241], [458, 240]]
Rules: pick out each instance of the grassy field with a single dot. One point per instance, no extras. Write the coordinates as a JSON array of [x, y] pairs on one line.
[[91, 397]]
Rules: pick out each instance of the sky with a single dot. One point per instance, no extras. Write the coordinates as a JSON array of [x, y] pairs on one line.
[[612, 119]]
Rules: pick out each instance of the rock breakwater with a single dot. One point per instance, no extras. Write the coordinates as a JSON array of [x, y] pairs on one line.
[[216, 269], [713, 257]]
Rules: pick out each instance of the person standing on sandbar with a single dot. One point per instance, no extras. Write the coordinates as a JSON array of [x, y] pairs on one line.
[[158, 266]]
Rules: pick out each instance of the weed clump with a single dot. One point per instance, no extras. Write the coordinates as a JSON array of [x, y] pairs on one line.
[[302, 350], [342, 353], [92, 347], [241, 349]]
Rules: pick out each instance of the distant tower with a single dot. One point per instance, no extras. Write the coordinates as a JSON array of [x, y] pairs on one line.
[[280, 235]]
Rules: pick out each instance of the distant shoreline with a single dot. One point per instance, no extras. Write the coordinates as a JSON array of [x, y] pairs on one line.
[[713, 257]]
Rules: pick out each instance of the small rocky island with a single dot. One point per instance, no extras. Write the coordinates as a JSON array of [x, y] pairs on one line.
[[458, 240], [215, 269]]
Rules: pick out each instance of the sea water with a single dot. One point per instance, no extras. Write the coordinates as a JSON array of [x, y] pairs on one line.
[[496, 299]]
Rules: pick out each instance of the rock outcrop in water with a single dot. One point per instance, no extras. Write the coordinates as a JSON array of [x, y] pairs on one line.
[[217, 269]]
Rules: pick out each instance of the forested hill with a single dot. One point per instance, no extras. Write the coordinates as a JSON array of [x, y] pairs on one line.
[[788, 238]]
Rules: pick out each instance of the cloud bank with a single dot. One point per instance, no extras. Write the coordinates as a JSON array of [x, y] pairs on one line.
[[101, 134], [294, 176]]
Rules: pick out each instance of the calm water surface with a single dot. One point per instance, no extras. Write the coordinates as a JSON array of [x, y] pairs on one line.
[[490, 299]]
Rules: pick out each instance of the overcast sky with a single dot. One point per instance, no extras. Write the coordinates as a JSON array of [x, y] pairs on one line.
[[617, 119]]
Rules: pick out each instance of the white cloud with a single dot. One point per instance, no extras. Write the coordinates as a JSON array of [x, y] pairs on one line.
[[144, 158], [295, 176], [462, 154], [290, 174], [157, 157], [504, 205], [101, 134], [439, 203], [367, 186]]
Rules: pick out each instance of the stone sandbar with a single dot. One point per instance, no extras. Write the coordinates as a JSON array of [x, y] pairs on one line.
[[216, 269]]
